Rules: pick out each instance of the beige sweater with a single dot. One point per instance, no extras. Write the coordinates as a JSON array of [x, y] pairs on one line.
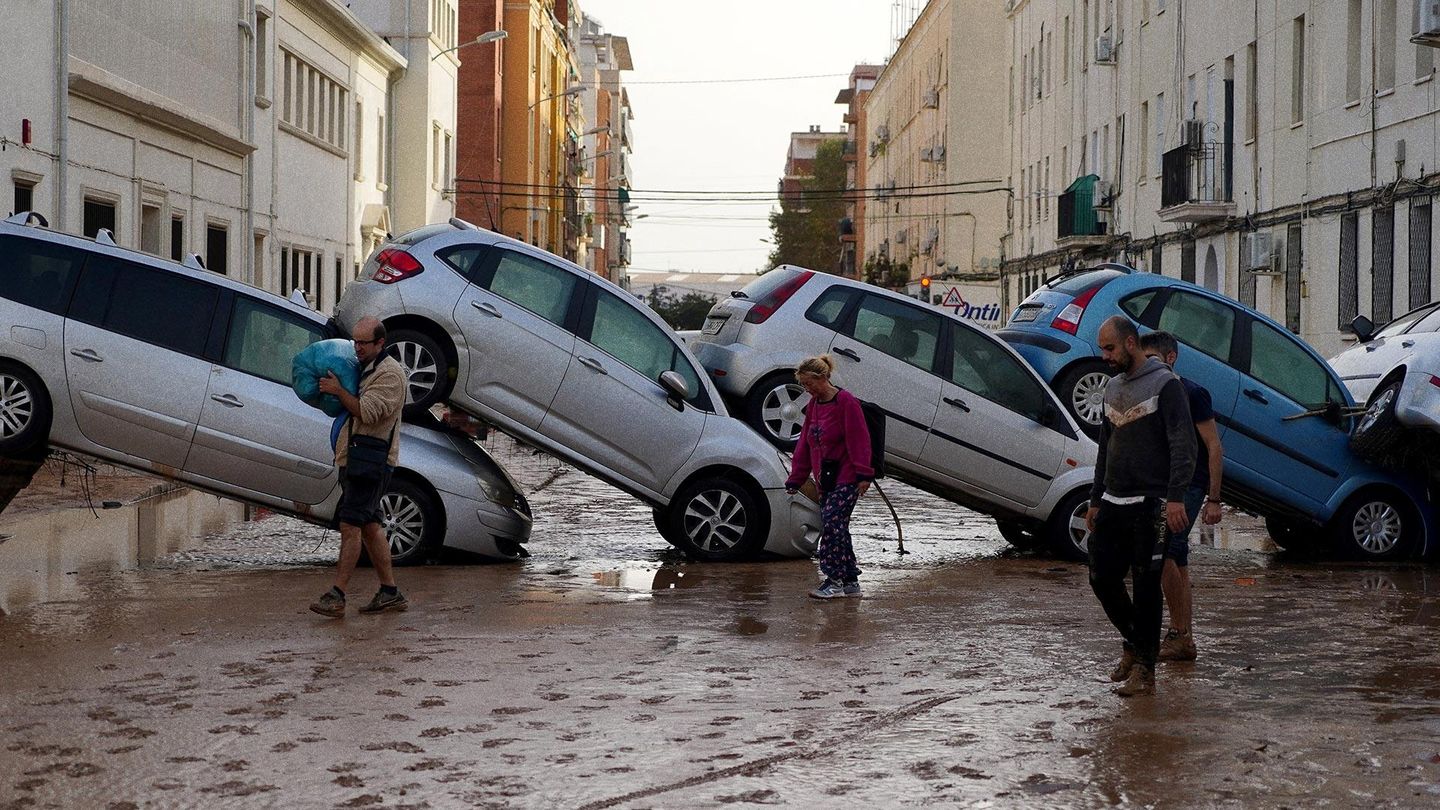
[[382, 397]]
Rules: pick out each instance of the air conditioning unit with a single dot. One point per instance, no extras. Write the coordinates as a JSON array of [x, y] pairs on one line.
[[901, 236], [882, 133], [1104, 50], [940, 153], [1192, 132], [1425, 23], [927, 155], [1262, 252], [931, 100], [1104, 195]]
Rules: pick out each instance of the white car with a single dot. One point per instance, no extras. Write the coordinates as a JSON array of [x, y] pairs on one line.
[[1396, 373]]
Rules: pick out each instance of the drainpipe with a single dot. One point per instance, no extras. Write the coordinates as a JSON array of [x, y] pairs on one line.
[[247, 115], [62, 113]]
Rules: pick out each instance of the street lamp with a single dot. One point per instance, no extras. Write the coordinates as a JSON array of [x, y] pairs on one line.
[[568, 92], [488, 36], [595, 131]]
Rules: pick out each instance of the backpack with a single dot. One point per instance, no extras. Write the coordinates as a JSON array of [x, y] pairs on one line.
[[875, 424]]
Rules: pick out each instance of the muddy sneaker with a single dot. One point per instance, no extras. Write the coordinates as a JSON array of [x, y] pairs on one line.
[[828, 590], [1122, 669], [386, 601], [1177, 647], [852, 589], [1140, 682], [331, 603]]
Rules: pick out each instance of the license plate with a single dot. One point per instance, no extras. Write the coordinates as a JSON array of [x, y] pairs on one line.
[[713, 326], [1026, 314]]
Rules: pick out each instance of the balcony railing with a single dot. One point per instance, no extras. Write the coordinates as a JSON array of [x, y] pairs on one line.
[[1077, 212], [1195, 183]]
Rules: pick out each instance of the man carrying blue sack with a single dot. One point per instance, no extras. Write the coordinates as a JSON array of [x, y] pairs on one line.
[[1146, 458], [366, 453]]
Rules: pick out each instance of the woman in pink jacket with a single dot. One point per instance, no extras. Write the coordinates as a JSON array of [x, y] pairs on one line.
[[834, 446]]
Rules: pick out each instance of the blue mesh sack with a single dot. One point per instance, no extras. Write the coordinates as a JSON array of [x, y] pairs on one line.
[[317, 359]]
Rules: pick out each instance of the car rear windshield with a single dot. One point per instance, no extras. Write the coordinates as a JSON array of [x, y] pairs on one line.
[[1081, 283], [769, 282], [419, 235]]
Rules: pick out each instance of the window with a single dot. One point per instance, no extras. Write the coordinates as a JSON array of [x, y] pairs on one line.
[[263, 339], [1349, 269], [1278, 361], [624, 332], [1419, 252], [1403, 323], [828, 307], [299, 270], [262, 54], [1136, 305], [382, 151], [1252, 92], [1382, 264], [38, 274], [535, 285], [904, 332], [151, 230], [217, 248], [359, 142], [1297, 70], [24, 197], [1065, 52], [435, 154], [339, 280], [1201, 323], [447, 180], [1159, 133], [1144, 137], [981, 367], [155, 306], [1384, 45], [177, 238], [99, 214], [1430, 323], [314, 104], [1353, 79], [465, 259]]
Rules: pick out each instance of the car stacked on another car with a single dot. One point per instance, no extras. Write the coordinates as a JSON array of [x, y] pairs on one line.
[[566, 361], [1282, 411], [966, 418], [1396, 373], [180, 372]]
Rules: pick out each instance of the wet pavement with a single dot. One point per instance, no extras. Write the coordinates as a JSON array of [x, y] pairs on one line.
[[606, 671]]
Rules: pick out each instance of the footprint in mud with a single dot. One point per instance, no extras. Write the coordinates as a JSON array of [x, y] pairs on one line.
[[610, 696], [561, 759], [74, 770], [402, 747], [553, 696], [642, 718], [813, 694], [497, 742], [444, 684], [44, 750], [426, 765], [278, 699], [431, 703], [238, 789], [412, 681], [398, 718], [656, 700], [184, 759], [478, 728], [926, 769], [724, 721], [968, 773], [852, 704], [753, 797], [389, 693], [28, 785], [439, 731], [235, 766], [283, 747], [349, 781], [124, 749], [243, 731], [512, 710]]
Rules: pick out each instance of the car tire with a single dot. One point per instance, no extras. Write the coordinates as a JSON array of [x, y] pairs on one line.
[[429, 377], [1066, 531], [1081, 389], [775, 408], [414, 521], [25, 411], [1375, 525], [665, 528], [1021, 535], [1291, 535], [718, 520], [1378, 433]]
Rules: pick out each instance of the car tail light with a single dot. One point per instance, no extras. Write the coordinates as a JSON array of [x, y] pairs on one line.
[[1068, 321], [1435, 381], [765, 307], [395, 264]]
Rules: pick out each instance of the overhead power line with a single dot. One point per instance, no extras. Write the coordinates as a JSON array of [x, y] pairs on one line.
[[628, 83]]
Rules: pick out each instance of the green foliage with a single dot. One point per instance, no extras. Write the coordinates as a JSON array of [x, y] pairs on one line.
[[884, 273], [805, 230], [686, 311]]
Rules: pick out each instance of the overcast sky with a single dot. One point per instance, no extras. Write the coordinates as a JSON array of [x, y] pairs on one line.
[[729, 136]]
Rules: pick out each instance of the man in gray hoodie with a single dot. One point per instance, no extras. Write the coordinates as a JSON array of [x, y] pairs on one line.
[[1146, 459]]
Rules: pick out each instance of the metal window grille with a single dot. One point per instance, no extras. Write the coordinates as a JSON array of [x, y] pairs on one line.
[[1187, 262], [1419, 252], [1294, 253], [1349, 269], [1382, 268], [1156, 253], [1247, 278]]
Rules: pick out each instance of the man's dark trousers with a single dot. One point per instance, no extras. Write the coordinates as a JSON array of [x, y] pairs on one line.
[[1132, 537]]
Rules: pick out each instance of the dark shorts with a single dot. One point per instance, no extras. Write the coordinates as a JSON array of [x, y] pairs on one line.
[[360, 498], [1180, 541]]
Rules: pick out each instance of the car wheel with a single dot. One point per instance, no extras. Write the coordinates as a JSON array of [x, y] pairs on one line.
[[1082, 391], [24, 411], [1375, 525], [775, 408], [1291, 535], [1068, 535], [1020, 535], [413, 521], [427, 368], [717, 519], [666, 529], [1378, 432]]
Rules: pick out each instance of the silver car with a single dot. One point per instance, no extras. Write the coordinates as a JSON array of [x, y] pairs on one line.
[[173, 370], [568, 362], [966, 417]]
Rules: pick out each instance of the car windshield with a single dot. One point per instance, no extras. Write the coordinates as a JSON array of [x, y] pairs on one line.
[[1081, 283], [767, 283], [1404, 322]]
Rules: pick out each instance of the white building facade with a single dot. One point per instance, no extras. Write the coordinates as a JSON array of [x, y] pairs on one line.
[[1281, 152]]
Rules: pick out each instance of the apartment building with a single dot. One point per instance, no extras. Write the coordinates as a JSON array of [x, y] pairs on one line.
[[852, 232], [1281, 152], [935, 153], [604, 150]]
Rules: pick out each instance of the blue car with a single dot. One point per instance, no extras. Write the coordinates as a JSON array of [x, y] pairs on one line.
[[1296, 471]]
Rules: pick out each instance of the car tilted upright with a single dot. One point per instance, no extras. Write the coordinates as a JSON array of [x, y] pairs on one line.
[[568, 362], [177, 371], [966, 418]]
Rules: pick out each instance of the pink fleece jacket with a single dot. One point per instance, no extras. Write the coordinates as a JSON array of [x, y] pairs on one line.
[[833, 430]]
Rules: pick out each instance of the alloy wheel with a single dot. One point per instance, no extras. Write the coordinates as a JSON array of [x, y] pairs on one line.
[[1376, 410], [1376, 528], [783, 411], [714, 520], [17, 406], [403, 520], [422, 371], [1079, 533], [1087, 398]]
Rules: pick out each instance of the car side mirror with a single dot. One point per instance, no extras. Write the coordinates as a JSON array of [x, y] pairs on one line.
[[1363, 327], [676, 389]]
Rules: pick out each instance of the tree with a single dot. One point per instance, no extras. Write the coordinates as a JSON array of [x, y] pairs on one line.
[[806, 229], [686, 311]]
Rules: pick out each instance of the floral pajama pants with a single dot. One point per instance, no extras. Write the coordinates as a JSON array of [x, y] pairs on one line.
[[837, 555]]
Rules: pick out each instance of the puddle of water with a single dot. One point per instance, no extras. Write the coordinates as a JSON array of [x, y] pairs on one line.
[[42, 553], [1227, 537]]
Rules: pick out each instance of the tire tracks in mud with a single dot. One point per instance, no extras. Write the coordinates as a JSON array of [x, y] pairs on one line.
[[756, 767]]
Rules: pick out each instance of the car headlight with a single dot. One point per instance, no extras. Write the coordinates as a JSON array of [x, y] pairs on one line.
[[497, 493]]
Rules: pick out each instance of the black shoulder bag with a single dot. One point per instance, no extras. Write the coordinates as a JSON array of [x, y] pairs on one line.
[[368, 457]]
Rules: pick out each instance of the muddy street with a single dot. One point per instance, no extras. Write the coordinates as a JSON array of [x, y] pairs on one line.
[[606, 671]]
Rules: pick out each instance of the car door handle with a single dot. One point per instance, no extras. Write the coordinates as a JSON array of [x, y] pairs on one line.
[[959, 403], [592, 364], [88, 354], [850, 353], [227, 400], [1257, 396], [487, 308], [1405, 344]]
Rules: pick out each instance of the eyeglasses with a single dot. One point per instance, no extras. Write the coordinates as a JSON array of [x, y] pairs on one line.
[[358, 341]]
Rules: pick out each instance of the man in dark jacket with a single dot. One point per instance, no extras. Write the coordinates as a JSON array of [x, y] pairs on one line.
[[1146, 459]]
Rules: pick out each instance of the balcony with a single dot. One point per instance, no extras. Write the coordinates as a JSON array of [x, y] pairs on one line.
[[1195, 183], [848, 150], [1080, 224]]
